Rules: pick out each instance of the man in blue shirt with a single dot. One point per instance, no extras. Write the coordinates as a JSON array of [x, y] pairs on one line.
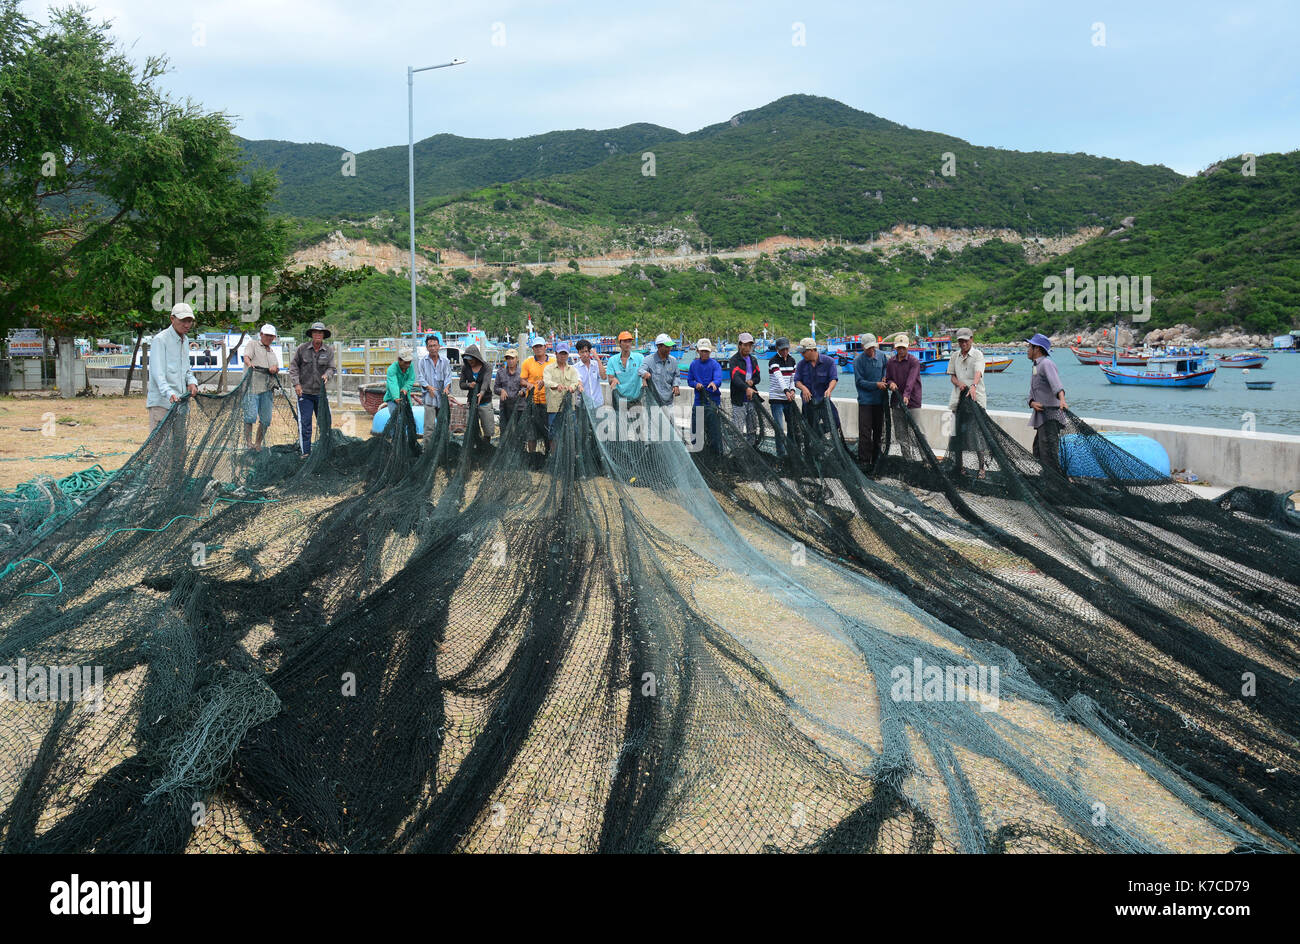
[[816, 377], [869, 378], [705, 377]]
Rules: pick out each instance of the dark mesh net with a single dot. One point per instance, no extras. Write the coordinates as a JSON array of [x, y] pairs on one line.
[[446, 644]]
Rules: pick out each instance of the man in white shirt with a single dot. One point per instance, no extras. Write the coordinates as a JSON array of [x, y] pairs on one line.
[[262, 363], [592, 371], [170, 377]]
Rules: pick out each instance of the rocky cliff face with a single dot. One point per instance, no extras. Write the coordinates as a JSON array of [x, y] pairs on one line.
[[1179, 334], [343, 253]]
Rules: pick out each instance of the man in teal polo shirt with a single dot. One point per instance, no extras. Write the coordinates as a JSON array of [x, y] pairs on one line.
[[624, 371]]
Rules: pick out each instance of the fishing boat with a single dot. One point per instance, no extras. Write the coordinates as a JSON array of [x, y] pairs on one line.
[[996, 365], [1096, 357], [1177, 367], [1247, 359]]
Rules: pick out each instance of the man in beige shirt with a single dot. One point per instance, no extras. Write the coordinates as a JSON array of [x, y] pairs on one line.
[[261, 364], [560, 378], [966, 371]]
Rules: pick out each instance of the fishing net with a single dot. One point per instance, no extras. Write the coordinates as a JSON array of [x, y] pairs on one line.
[[623, 644], [1170, 613]]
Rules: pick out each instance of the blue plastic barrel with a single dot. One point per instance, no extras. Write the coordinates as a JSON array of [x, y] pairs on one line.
[[1079, 456], [380, 421]]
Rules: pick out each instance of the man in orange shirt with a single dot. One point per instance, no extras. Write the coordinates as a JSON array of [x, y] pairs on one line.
[[530, 373]]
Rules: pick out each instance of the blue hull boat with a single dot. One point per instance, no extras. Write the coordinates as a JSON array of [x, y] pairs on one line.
[[1144, 377]]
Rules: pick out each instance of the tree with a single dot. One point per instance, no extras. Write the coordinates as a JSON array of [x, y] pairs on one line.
[[108, 185]]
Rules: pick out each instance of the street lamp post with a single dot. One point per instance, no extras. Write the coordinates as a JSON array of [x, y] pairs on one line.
[[410, 169]]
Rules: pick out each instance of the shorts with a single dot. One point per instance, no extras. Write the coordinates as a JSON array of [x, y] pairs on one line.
[[257, 407]]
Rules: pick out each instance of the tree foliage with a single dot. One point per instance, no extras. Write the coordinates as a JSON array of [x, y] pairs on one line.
[[108, 184]]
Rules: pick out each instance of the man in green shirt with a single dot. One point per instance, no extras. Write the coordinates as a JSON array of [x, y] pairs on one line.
[[401, 381]]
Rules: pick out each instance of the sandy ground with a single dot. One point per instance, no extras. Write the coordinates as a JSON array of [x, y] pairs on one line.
[[33, 426], [103, 430]]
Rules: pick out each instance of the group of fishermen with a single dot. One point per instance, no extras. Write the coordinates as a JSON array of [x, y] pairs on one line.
[[310, 369], [533, 392]]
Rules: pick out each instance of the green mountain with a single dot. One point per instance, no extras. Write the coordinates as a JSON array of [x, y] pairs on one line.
[[806, 166], [312, 182], [1220, 251], [800, 166]]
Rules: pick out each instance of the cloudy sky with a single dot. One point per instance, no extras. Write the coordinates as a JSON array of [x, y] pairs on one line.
[[1178, 83]]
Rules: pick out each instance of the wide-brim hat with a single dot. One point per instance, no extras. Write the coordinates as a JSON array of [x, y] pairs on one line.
[[319, 326], [1042, 341]]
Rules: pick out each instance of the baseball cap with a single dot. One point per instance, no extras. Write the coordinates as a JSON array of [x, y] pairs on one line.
[[512, 353], [626, 336], [562, 347], [1042, 341], [269, 329], [807, 344], [901, 341], [536, 340], [869, 340], [745, 338], [964, 334], [704, 344], [181, 311], [404, 354], [664, 339], [783, 344]]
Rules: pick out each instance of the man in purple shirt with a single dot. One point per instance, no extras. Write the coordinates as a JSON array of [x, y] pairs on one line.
[[1047, 400], [903, 374]]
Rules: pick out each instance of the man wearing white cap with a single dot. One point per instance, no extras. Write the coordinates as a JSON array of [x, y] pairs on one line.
[[745, 376], [170, 376], [400, 381], [661, 370], [966, 371], [705, 377], [261, 364]]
